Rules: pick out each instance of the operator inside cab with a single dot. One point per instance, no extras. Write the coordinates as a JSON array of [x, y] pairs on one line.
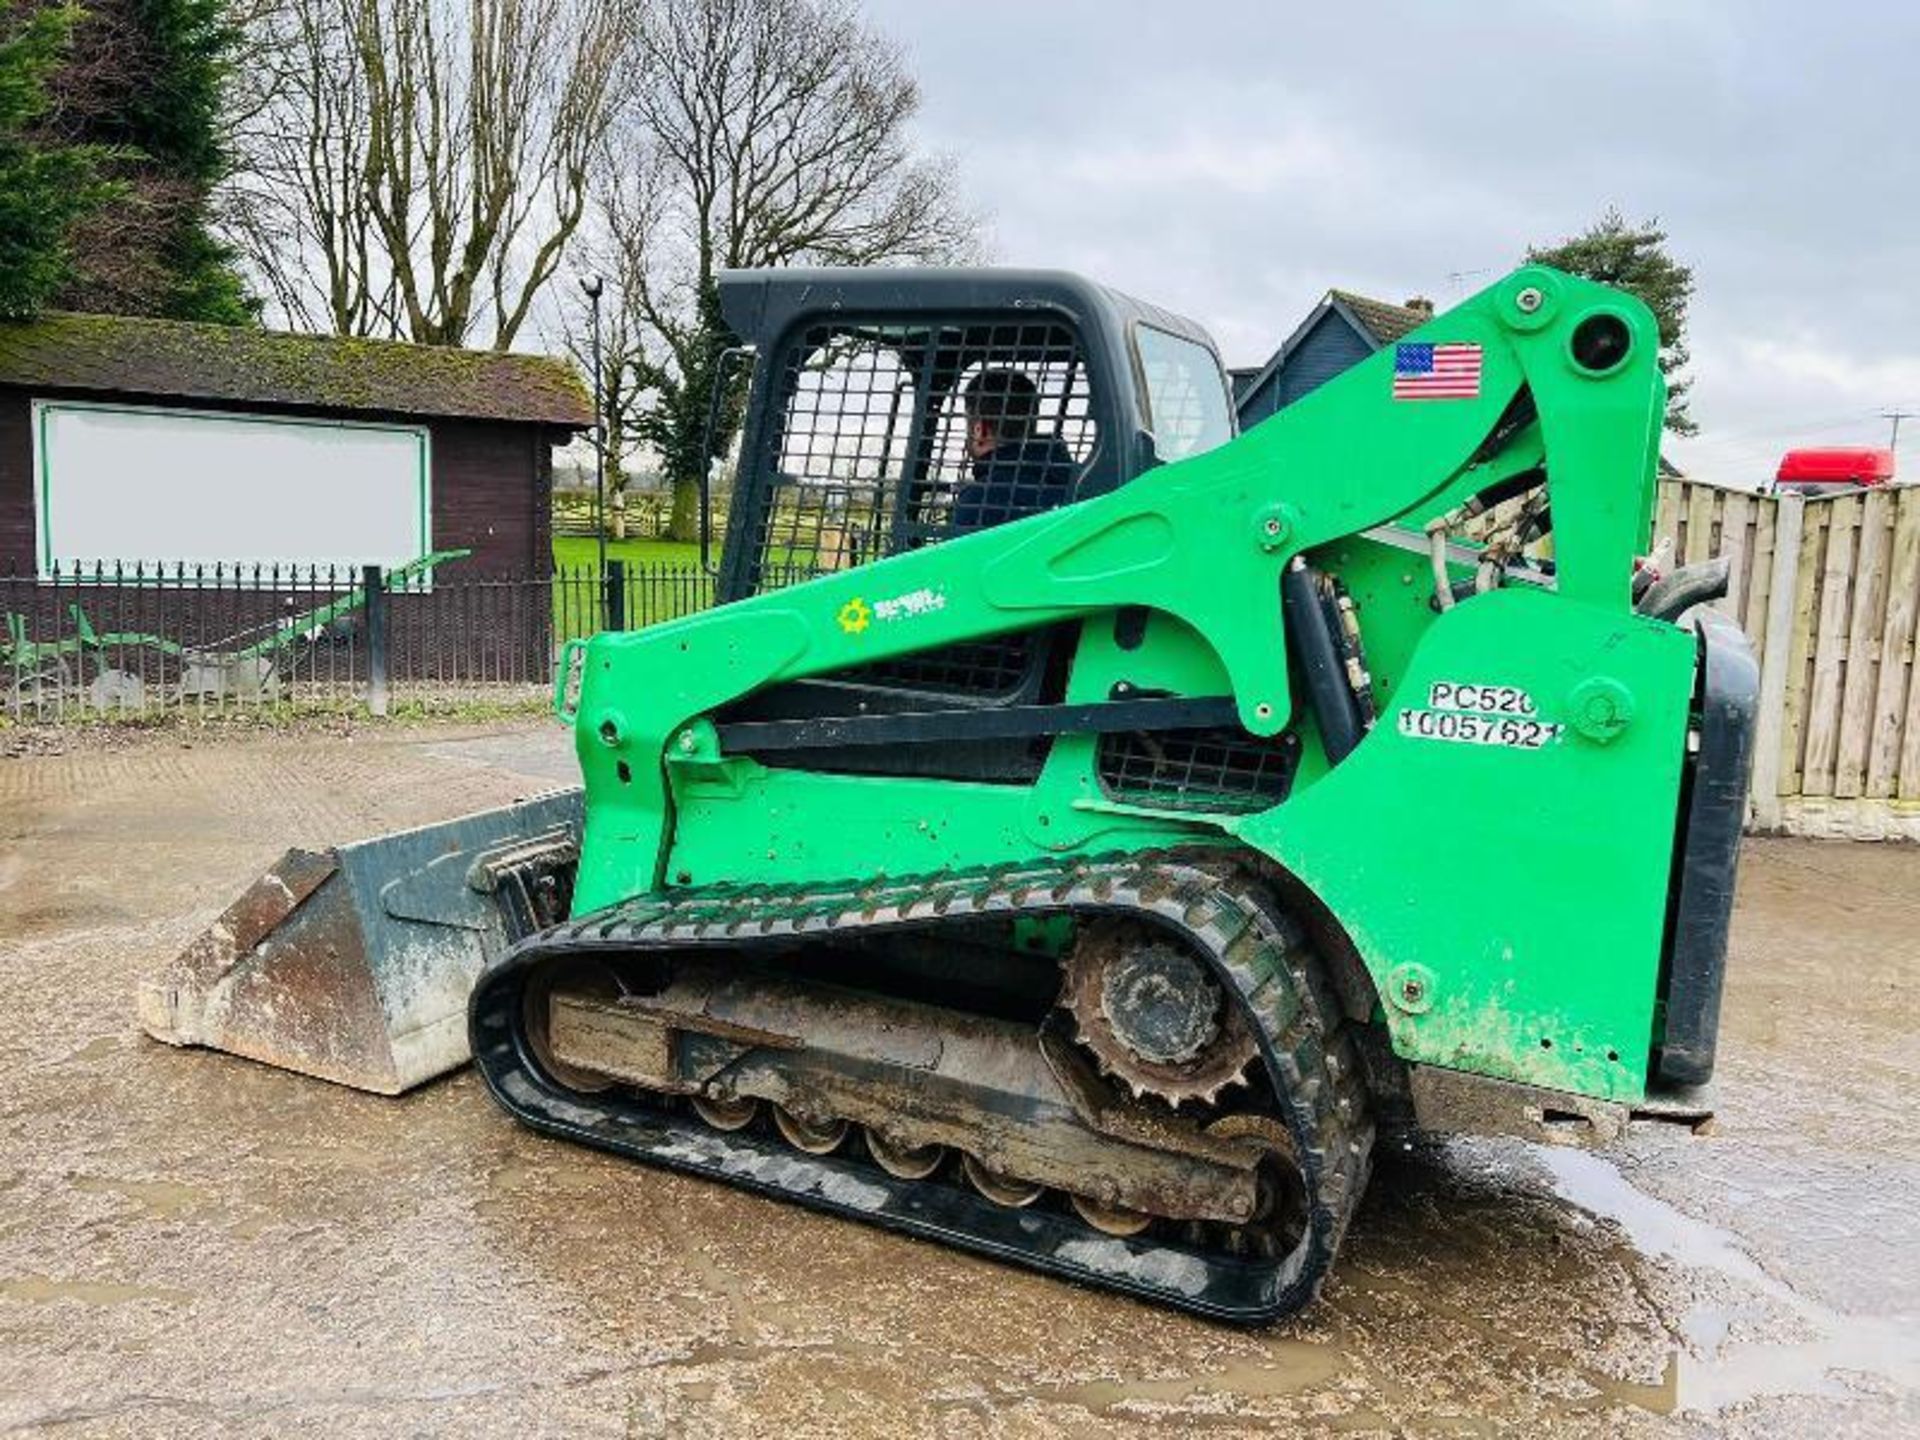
[[1016, 472]]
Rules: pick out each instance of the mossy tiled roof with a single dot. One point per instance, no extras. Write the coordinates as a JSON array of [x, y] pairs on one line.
[[119, 355], [1384, 321]]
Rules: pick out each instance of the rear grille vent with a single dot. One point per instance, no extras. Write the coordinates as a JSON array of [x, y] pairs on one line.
[[1198, 769]]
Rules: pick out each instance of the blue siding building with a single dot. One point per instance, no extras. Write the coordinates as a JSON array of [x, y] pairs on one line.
[[1342, 330]]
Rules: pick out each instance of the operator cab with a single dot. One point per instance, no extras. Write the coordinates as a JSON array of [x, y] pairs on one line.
[[859, 443]]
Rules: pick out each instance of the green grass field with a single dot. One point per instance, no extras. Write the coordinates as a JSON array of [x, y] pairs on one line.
[[651, 595], [572, 550]]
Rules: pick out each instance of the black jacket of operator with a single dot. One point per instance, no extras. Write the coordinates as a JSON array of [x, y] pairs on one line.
[[1016, 479]]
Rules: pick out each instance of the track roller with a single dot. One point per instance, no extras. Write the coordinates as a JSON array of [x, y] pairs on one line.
[[1111, 1219], [803, 1135], [1001, 1189], [910, 1162], [728, 1115]]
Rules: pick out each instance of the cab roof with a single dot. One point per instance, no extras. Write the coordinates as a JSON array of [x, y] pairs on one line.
[[759, 305]]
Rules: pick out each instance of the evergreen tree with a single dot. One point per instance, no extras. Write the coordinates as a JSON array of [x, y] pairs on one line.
[[1635, 258], [43, 188], [144, 78]]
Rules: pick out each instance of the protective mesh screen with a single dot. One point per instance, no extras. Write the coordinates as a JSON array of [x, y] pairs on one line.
[[1197, 769], [895, 436]]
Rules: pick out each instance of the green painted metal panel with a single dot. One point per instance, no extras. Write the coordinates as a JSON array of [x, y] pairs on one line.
[[1520, 892]]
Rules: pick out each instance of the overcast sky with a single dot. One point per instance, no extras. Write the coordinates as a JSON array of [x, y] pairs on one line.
[[1234, 160]]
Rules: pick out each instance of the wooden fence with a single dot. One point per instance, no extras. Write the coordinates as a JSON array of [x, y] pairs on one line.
[[1828, 589]]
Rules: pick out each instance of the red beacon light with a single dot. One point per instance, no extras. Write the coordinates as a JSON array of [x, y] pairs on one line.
[[1835, 467]]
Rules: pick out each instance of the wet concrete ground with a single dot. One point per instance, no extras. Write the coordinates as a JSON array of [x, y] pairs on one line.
[[191, 1244]]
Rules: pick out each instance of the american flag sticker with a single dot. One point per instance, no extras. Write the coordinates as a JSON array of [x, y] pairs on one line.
[[1423, 371]]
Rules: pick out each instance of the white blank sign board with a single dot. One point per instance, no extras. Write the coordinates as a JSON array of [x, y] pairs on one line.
[[136, 485]]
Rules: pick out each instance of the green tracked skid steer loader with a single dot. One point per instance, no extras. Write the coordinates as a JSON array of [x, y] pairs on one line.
[[1083, 832]]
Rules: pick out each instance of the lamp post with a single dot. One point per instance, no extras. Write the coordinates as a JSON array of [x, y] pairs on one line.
[[592, 285]]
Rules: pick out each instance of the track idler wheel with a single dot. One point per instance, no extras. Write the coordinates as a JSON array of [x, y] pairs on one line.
[[1000, 1189], [904, 1162], [586, 976], [804, 1135], [1280, 1211], [728, 1115]]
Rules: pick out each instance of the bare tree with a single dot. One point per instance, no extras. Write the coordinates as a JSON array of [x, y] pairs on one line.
[[763, 132], [299, 206], [418, 167]]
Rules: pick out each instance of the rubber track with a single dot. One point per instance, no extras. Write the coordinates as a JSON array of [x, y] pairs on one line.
[[1221, 911]]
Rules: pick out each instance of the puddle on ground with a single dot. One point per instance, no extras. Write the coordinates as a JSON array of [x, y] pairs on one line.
[[165, 1199], [1713, 1374], [38, 1289]]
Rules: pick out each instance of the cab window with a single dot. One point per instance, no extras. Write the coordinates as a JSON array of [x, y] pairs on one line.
[[1188, 409]]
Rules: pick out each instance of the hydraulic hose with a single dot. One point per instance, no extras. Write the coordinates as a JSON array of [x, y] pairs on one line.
[[1437, 553], [1334, 707], [1690, 585]]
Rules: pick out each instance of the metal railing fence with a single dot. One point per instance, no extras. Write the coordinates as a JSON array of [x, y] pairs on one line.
[[87, 641]]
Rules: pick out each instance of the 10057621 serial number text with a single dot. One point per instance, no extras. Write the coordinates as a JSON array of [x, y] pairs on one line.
[[1514, 732]]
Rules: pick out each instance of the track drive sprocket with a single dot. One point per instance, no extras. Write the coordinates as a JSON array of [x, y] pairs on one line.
[[1152, 1015]]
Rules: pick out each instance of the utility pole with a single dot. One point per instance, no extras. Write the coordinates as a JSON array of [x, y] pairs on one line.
[[1896, 416]]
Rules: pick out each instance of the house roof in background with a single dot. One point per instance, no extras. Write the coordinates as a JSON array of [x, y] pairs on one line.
[[1380, 319], [115, 354], [1377, 321]]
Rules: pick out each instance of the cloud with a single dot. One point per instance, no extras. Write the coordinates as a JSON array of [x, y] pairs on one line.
[[1234, 160], [1818, 368], [1793, 391]]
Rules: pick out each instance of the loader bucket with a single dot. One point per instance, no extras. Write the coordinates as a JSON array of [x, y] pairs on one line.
[[354, 963]]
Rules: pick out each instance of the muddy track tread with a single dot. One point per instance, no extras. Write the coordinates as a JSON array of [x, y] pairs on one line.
[[1221, 909]]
